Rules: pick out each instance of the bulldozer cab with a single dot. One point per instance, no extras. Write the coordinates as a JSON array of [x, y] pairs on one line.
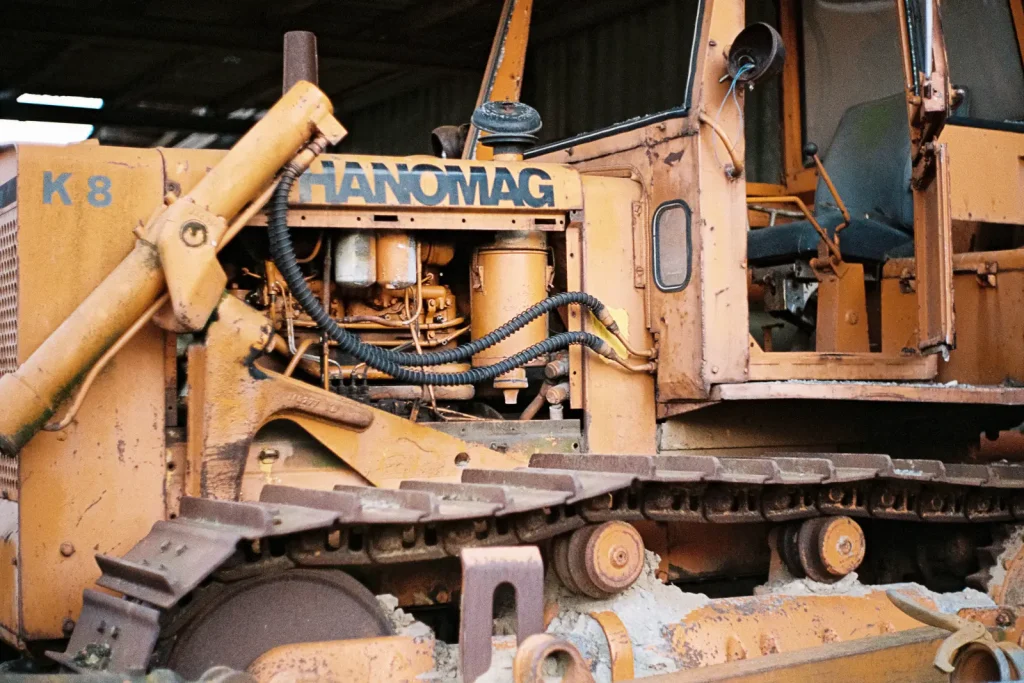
[[855, 160]]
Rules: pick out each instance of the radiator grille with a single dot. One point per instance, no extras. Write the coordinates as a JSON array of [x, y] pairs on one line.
[[8, 477], [8, 292]]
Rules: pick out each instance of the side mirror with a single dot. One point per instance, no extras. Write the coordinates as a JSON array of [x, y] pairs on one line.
[[756, 53]]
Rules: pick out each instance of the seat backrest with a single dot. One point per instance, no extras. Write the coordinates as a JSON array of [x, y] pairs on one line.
[[869, 163]]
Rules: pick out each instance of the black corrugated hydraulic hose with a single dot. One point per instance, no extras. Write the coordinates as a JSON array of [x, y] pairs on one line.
[[392, 362]]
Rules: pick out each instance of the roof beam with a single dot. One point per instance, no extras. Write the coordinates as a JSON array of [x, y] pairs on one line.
[[124, 118], [594, 12], [133, 91], [418, 19], [378, 90], [19, 20], [390, 85]]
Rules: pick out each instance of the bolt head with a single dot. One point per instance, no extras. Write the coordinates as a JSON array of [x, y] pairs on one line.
[[194, 234], [619, 557], [67, 549], [269, 456], [67, 626]]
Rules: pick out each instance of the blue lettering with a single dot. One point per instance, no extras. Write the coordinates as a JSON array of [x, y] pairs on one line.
[[547, 191], [326, 180], [469, 189], [99, 191], [505, 188], [399, 185], [354, 183], [419, 171], [52, 187]]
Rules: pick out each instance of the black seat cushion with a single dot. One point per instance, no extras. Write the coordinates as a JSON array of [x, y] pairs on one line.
[[862, 240], [869, 162]]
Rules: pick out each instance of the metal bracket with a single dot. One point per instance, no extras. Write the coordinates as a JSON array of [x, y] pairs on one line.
[[186, 239], [483, 571], [112, 634], [969, 639]]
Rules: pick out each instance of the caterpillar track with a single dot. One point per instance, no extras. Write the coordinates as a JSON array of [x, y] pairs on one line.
[[424, 520]]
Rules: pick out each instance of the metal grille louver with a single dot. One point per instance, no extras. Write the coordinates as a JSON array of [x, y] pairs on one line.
[[8, 292]]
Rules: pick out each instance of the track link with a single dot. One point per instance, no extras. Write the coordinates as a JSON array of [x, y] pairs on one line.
[[425, 520]]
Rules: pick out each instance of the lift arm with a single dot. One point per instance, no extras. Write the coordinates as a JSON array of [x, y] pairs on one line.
[[176, 250]]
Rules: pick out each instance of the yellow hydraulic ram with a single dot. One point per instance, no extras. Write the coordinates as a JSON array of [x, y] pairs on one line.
[[177, 249]]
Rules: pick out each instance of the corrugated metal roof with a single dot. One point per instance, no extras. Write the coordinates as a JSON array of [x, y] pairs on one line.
[[395, 69], [584, 79]]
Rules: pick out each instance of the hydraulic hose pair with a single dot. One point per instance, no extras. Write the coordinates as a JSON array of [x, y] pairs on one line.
[[392, 362]]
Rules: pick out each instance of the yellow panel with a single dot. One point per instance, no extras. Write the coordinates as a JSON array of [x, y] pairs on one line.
[[989, 322], [77, 208], [986, 174], [186, 167], [98, 486], [619, 405]]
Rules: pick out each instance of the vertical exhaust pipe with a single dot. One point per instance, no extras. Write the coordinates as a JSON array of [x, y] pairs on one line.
[[300, 60]]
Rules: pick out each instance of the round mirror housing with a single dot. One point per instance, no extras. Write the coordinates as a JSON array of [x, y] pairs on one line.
[[756, 53]]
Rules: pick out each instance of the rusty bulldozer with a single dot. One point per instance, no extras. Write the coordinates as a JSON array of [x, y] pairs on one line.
[[599, 408]]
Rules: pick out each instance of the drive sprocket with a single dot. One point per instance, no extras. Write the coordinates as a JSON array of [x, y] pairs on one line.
[[233, 623], [1002, 566]]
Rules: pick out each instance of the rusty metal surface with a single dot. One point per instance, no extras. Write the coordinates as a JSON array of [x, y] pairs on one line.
[[358, 526], [731, 629], [483, 571], [525, 436], [829, 548], [300, 59], [1001, 570], [970, 654], [233, 624], [396, 659], [111, 634], [542, 657], [903, 657], [614, 556], [560, 562], [599, 560], [576, 554]]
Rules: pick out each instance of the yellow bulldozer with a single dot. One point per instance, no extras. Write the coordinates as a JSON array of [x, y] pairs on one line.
[[598, 408]]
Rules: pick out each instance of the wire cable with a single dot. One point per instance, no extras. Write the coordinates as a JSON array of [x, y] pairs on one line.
[[393, 363]]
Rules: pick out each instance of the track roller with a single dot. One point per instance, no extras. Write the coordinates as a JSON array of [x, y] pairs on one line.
[[599, 560], [824, 549]]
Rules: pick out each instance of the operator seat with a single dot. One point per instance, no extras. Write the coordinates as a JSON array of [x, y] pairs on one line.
[[869, 163]]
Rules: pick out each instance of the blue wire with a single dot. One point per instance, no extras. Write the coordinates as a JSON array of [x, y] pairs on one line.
[[731, 92], [732, 88]]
